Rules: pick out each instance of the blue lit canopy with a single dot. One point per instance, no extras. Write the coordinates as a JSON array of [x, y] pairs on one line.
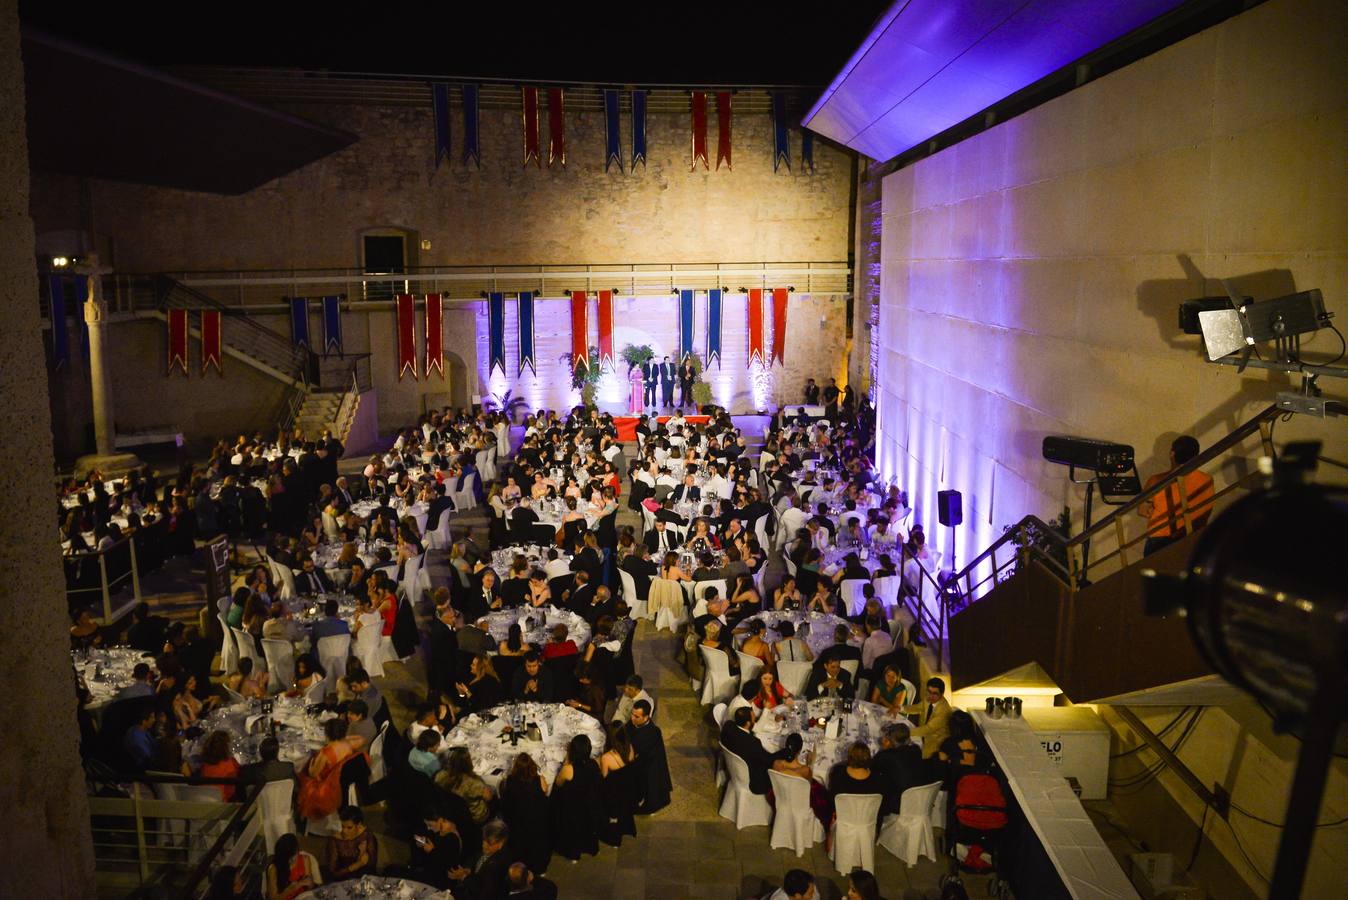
[[930, 64]]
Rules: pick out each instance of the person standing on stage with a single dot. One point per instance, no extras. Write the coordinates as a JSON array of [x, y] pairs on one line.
[[687, 375], [668, 374], [650, 374], [831, 394]]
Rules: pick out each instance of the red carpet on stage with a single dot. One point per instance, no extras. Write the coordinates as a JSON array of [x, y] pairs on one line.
[[627, 425]]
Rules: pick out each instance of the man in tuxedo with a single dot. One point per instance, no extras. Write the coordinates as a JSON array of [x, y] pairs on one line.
[[668, 376], [532, 681], [516, 587], [933, 718], [839, 649], [639, 565], [661, 540], [650, 375], [667, 514], [521, 523], [269, 768], [653, 782], [686, 378], [440, 505], [830, 680], [687, 491], [898, 762], [582, 593], [737, 737], [344, 491], [811, 392], [488, 590], [311, 580], [442, 667]]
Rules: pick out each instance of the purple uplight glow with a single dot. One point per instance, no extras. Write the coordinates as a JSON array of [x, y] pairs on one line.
[[930, 64]]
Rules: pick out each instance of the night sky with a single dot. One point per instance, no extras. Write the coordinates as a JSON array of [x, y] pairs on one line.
[[783, 43]]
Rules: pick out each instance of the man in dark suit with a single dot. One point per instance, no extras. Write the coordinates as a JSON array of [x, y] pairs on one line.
[[311, 580], [667, 514], [716, 608], [516, 587], [582, 593], [661, 540], [488, 594], [898, 762], [831, 394], [687, 491], [830, 680], [489, 878], [639, 565], [737, 736], [532, 681], [653, 782], [522, 523], [686, 378], [668, 376], [524, 885], [839, 649], [811, 392], [269, 768], [442, 667], [440, 505], [650, 375]]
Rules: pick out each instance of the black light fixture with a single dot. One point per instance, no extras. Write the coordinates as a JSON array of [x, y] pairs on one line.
[[1237, 328]]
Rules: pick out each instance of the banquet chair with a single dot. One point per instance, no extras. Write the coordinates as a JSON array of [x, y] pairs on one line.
[[794, 675], [232, 696], [850, 591], [887, 592], [330, 529], [700, 590], [368, 650], [229, 651], [280, 663], [750, 666], [718, 715], [285, 577], [666, 603], [851, 667], [486, 464], [274, 802], [317, 692], [761, 531], [909, 834], [378, 770], [909, 692], [789, 563], [466, 498], [718, 684], [333, 651], [636, 608], [794, 824], [760, 577], [439, 538], [412, 579], [741, 805], [854, 831], [246, 646]]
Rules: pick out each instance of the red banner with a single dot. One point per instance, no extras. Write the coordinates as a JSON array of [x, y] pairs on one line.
[[580, 329], [210, 340], [699, 128], [606, 328], [407, 335], [723, 128], [779, 325], [435, 336], [177, 337], [756, 326], [531, 154], [556, 128]]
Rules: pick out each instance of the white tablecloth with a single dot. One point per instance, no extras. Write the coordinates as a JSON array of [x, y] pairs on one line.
[[483, 734], [298, 732], [107, 671], [376, 888], [821, 627], [542, 618], [857, 721]]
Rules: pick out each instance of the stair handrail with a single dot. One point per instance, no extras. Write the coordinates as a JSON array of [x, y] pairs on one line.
[[1070, 547]]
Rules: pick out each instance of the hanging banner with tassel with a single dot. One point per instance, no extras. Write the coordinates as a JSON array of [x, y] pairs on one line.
[[407, 335], [60, 337], [556, 128], [612, 134], [781, 143], [699, 128], [526, 335], [177, 337], [778, 325], [440, 104], [471, 150], [332, 324], [756, 326], [580, 330], [807, 150], [531, 152], [210, 340], [435, 336], [638, 130], [714, 302], [299, 321], [495, 332], [723, 129], [685, 325], [606, 329]]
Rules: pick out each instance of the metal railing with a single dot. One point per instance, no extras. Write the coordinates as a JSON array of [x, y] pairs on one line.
[[1065, 558], [94, 578]]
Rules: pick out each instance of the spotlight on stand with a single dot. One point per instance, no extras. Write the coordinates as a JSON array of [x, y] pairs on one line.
[[1266, 605], [1112, 468], [1238, 327]]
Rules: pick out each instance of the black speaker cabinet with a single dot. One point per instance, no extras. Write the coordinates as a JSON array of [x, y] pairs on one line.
[[949, 508]]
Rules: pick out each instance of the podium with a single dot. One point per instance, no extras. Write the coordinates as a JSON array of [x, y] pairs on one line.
[[636, 401]]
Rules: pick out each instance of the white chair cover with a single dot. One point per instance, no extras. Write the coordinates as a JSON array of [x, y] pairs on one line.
[[854, 831], [909, 835], [317, 692], [377, 768], [280, 663], [466, 498], [330, 531], [851, 667], [887, 592], [741, 805], [636, 608], [793, 675], [333, 651], [368, 645], [666, 603], [229, 651], [718, 715], [909, 692], [717, 682], [274, 803], [750, 666], [285, 578], [850, 590], [700, 590], [412, 579], [790, 565], [794, 824], [247, 646]]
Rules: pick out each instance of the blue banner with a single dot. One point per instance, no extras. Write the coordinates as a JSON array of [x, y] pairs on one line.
[[60, 338], [806, 149], [471, 150], [496, 332], [299, 321], [440, 102], [612, 135], [781, 142], [526, 333], [332, 325], [714, 327], [685, 325], [638, 130]]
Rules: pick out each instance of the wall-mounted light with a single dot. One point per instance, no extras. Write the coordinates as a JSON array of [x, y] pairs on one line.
[[59, 262]]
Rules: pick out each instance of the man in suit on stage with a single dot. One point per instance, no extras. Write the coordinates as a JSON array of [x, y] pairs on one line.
[[669, 375], [650, 374]]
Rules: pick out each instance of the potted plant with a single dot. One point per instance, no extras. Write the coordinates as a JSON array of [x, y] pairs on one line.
[[637, 354], [515, 408], [701, 394], [584, 376]]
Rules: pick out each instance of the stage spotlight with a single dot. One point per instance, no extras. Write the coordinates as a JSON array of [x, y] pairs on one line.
[[1246, 323], [59, 262]]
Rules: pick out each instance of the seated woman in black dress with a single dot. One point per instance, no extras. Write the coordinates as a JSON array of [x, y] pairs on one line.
[[577, 805], [484, 690], [524, 806], [854, 776]]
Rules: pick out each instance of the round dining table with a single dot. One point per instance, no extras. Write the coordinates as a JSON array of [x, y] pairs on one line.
[[820, 635], [544, 730], [826, 726], [375, 887]]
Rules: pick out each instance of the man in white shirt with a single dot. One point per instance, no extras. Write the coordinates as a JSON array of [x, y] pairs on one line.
[[797, 884], [556, 567], [791, 521], [717, 485], [632, 692]]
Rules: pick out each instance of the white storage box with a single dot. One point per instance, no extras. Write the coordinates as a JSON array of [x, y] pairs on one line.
[[1077, 739]]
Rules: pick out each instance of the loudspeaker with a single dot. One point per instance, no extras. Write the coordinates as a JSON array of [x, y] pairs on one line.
[[949, 508]]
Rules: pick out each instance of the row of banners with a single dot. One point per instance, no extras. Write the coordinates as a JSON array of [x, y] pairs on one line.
[[555, 100], [580, 328]]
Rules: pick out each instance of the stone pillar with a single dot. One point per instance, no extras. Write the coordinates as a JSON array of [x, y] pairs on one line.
[[100, 378], [47, 850]]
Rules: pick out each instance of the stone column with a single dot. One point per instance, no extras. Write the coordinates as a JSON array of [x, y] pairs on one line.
[[47, 850], [100, 378]]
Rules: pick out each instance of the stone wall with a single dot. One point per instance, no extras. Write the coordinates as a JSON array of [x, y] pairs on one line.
[[47, 850]]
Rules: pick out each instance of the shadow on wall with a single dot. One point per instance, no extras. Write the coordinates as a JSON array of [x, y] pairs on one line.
[[1160, 299]]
